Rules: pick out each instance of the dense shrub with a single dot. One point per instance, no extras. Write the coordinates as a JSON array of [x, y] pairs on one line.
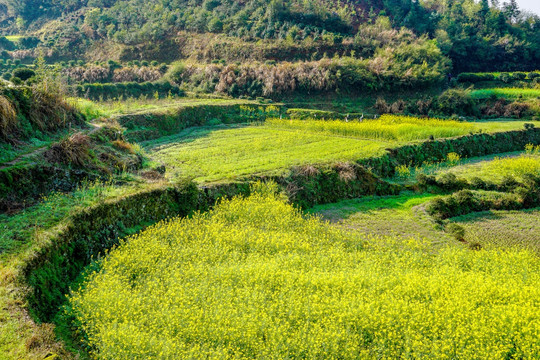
[[24, 73], [505, 77], [112, 72], [386, 71], [465, 146], [456, 101], [512, 195], [475, 77], [148, 126], [465, 201], [28, 112]]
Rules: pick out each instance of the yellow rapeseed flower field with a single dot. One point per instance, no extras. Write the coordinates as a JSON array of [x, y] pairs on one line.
[[495, 170], [387, 127], [257, 279]]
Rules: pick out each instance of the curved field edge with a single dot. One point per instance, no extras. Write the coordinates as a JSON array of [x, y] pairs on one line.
[[255, 278], [502, 228], [35, 278]]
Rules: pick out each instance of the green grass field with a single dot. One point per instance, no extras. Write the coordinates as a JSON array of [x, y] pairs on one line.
[[256, 279], [52, 209], [220, 153], [13, 38], [386, 128], [507, 93], [401, 215], [98, 109], [503, 229], [214, 154], [498, 168]]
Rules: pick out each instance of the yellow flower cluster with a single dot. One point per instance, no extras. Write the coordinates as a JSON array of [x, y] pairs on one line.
[[528, 163], [256, 279], [387, 127]]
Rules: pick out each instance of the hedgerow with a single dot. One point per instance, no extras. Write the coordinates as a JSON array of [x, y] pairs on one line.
[[106, 91]]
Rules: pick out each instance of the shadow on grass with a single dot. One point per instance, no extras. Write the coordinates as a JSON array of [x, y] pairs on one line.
[[187, 136], [344, 209]]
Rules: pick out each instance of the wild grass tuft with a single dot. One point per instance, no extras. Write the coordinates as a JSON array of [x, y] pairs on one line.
[[8, 118]]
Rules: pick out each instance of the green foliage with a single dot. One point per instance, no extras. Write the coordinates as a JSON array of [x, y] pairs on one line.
[[475, 77], [94, 230], [506, 93], [475, 36], [457, 101], [29, 112], [468, 146], [23, 73], [464, 202], [500, 76], [413, 65], [146, 126], [126, 90], [500, 167]]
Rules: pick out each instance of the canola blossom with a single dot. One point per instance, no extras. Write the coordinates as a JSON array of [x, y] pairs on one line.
[[387, 127], [257, 279], [519, 167]]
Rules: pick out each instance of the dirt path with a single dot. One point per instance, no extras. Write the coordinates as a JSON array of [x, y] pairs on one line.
[[37, 151], [23, 156]]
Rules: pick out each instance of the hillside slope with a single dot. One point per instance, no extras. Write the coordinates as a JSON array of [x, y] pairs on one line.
[[475, 36]]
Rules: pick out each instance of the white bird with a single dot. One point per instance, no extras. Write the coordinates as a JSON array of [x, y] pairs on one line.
[[362, 117]]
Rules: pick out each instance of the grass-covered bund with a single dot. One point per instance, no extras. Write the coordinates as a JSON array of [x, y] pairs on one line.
[[256, 279]]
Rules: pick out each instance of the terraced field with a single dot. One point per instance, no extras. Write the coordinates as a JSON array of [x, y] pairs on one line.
[[503, 229], [256, 276], [225, 154], [507, 93], [221, 153], [496, 169], [402, 216], [266, 282]]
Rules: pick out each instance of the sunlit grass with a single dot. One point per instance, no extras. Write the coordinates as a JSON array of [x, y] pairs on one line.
[[97, 109], [13, 38], [52, 209], [508, 93], [503, 229], [387, 127], [400, 215], [214, 154], [500, 167], [227, 154]]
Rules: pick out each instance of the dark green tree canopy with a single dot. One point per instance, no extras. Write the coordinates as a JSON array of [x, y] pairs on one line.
[[476, 35]]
